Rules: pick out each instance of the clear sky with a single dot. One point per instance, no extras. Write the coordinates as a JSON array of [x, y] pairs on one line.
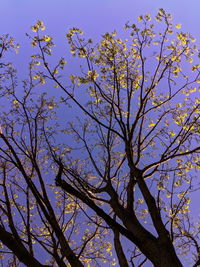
[[93, 16]]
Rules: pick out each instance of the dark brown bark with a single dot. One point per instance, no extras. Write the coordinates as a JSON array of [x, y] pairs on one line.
[[159, 251], [18, 249], [119, 250], [47, 210]]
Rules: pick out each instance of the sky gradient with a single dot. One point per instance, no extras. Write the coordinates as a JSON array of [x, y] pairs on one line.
[[94, 17]]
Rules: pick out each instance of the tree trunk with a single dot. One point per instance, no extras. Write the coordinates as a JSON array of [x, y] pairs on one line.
[[166, 257]]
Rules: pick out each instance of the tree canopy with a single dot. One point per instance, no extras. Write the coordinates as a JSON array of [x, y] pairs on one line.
[[100, 170]]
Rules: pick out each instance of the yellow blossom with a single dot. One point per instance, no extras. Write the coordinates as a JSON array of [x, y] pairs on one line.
[[178, 26], [152, 124], [172, 133], [34, 28], [47, 38]]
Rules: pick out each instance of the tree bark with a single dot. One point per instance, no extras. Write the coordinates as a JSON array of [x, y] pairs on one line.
[[119, 250], [19, 249]]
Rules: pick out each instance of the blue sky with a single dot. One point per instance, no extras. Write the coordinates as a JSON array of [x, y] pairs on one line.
[[94, 16]]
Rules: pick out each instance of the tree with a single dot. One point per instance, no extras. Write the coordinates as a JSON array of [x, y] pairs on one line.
[[117, 180]]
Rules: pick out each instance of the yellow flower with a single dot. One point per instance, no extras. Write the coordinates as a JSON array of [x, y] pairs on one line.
[[192, 90], [181, 195], [178, 26], [42, 81], [176, 69], [172, 133], [35, 77], [63, 62], [169, 31], [40, 24], [93, 74], [190, 60], [46, 38], [152, 124], [34, 28], [33, 43], [15, 102], [147, 17], [55, 71], [173, 58]]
